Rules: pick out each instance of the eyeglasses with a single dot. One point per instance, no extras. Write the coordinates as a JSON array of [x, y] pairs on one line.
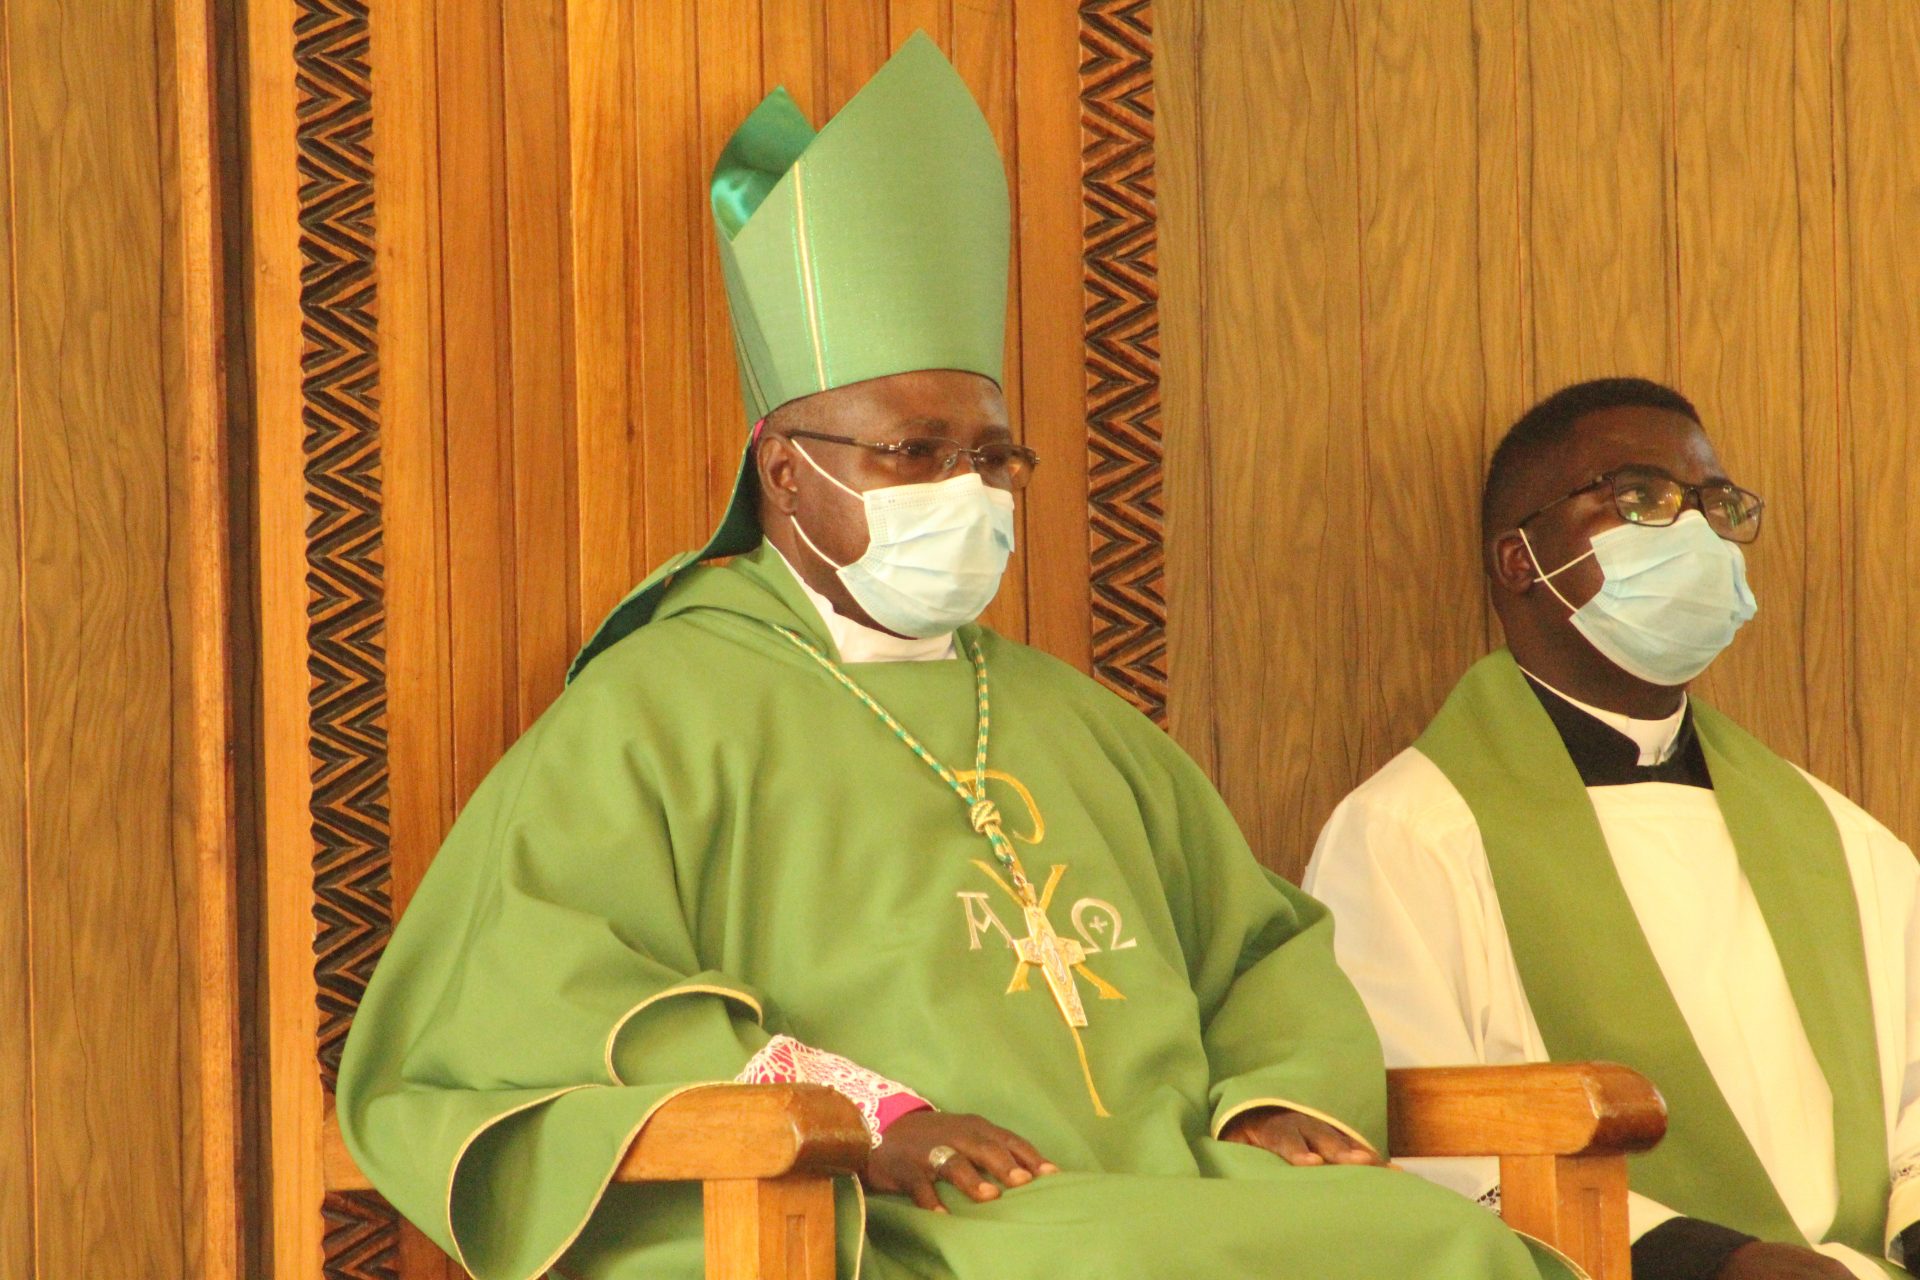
[[1649, 496], [919, 459]]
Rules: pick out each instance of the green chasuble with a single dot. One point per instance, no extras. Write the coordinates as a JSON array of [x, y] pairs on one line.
[[1591, 978], [706, 841]]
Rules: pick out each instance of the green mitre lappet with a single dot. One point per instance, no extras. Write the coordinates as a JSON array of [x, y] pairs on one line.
[[877, 245]]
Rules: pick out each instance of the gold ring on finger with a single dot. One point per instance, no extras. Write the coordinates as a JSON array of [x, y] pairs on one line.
[[938, 1157]]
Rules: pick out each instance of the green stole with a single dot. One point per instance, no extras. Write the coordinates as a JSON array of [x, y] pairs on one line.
[[1592, 980]]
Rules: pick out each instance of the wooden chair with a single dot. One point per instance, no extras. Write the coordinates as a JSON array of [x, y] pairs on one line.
[[767, 1155]]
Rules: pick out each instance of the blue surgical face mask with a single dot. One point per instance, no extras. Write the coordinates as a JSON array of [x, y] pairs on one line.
[[1671, 599], [935, 552]]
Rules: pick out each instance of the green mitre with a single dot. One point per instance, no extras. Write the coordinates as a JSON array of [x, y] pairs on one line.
[[876, 246]]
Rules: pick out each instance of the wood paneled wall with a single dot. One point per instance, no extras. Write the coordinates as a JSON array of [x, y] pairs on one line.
[[560, 409], [1388, 228], [119, 1105], [495, 386]]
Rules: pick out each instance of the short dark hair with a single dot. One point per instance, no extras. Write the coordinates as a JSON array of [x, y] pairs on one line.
[[1551, 422]]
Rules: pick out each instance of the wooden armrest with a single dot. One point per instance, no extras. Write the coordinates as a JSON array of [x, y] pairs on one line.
[[1549, 1109], [714, 1133], [1562, 1131]]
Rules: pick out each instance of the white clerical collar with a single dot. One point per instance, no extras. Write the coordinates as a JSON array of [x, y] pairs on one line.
[[1656, 739], [859, 643]]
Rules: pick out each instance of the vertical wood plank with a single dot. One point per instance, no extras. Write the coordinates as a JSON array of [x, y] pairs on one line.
[[1179, 27], [728, 49], [477, 384], [287, 782], [413, 441], [1744, 320], [1832, 749], [858, 41], [414, 475], [1879, 60], [669, 465], [1285, 393], [1500, 214], [979, 37], [205, 834], [610, 509], [16, 1025], [938, 18], [1053, 390], [92, 353], [536, 176], [1600, 249], [1412, 548], [793, 50]]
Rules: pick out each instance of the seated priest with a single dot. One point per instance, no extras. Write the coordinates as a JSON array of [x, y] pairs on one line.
[[1579, 860], [798, 816]]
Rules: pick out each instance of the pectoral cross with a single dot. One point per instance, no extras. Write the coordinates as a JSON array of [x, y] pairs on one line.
[[1058, 959], [1055, 957]]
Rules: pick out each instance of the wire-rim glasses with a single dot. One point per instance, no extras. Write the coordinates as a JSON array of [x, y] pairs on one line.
[[919, 459]]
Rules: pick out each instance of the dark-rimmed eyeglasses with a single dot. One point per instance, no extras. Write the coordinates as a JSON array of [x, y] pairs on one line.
[[920, 459], [1649, 496]]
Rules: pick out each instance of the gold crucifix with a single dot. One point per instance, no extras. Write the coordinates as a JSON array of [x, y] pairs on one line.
[[1058, 959]]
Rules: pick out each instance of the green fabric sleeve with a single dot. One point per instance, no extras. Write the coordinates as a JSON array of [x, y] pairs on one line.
[[1280, 1021], [1292, 1031], [542, 994]]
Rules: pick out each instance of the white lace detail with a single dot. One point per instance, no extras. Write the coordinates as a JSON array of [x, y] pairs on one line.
[[1490, 1198], [788, 1061]]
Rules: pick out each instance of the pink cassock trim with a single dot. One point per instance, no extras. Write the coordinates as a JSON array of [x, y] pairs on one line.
[[785, 1060], [895, 1105]]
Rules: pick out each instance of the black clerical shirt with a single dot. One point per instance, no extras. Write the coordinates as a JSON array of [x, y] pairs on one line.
[[1606, 757]]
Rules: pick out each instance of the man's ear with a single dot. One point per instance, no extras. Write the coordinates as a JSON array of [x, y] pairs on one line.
[[779, 487], [1509, 564]]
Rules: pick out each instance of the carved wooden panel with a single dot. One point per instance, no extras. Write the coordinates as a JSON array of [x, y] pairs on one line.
[[340, 416], [346, 610], [362, 1240], [1122, 301]]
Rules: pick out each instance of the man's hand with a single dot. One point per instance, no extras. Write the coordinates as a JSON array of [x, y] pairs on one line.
[[1762, 1261], [1297, 1138], [983, 1153]]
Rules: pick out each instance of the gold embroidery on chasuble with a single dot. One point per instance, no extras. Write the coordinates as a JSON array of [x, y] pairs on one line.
[[1058, 959], [1036, 822], [1042, 948]]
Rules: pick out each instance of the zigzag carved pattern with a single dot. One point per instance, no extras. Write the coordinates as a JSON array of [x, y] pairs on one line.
[[346, 603], [1123, 351], [346, 609], [362, 1238]]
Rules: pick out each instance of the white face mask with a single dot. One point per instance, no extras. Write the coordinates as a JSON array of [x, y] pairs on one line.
[[1670, 599], [935, 552]]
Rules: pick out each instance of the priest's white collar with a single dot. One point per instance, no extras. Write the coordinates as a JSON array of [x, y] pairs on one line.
[[1657, 739], [860, 643]]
